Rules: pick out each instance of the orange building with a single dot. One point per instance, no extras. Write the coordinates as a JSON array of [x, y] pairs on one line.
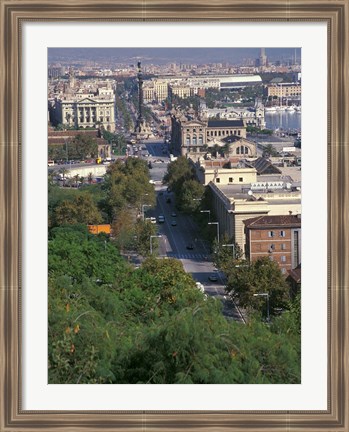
[[98, 229], [277, 237]]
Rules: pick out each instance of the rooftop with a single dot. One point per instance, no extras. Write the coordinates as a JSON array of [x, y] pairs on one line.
[[285, 221], [225, 123]]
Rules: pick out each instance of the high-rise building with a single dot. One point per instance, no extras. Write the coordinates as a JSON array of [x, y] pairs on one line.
[[263, 58]]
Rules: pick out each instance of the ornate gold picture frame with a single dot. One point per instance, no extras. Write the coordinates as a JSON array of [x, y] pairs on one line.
[[16, 12]]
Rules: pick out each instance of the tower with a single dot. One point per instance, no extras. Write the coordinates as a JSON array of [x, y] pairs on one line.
[[71, 78], [140, 94], [142, 130], [262, 58]]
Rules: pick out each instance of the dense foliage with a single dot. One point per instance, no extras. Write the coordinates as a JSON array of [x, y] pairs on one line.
[[81, 147], [246, 280], [109, 323], [181, 179]]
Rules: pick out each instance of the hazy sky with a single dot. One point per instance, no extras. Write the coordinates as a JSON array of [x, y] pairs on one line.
[[234, 56]]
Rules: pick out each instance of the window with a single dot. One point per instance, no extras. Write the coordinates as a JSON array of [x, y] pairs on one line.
[[187, 142], [283, 270], [201, 139], [218, 180], [271, 248], [241, 179], [282, 234], [230, 180], [283, 246], [194, 140], [271, 234], [237, 150], [283, 259], [239, 132], [271, 258]]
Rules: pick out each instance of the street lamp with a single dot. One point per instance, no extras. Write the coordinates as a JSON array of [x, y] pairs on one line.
[[151, 242], [209, 214], [215, 223], [143, 207], [66, 149], [266, 295], [231, 245]]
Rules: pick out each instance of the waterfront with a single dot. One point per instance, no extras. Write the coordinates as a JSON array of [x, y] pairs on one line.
[[284, 120]]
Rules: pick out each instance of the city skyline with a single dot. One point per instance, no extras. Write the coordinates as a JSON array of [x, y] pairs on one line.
[[233, 56]]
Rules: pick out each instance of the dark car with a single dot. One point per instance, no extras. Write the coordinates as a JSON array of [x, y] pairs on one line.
[[168, 200], [190, 246], [173, 214], [213, 277]]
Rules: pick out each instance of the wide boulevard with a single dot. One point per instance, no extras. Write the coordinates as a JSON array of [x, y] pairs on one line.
[[181, 237]]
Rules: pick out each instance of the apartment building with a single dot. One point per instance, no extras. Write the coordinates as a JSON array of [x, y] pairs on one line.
[[276, 237]]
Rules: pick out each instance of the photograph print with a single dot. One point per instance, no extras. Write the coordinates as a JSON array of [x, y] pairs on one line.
[[174, 215]]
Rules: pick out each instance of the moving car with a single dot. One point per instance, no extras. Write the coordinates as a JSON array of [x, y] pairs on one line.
[[161, 219], [174, 223], [213, 277], [173, 214]]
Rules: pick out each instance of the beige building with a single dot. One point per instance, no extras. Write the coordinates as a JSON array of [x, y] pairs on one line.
[[234, 204], [84, 111], [194, 135], [181, 90], [223, 172], [84, 105], [155, 90], [284, 90]]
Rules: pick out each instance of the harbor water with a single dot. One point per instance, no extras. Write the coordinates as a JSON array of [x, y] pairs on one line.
[[283, 120]]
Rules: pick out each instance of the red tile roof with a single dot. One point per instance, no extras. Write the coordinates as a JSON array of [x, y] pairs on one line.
[[285, 221]]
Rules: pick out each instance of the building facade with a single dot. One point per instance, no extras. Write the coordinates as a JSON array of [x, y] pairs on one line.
[[276, 237], [193, 135], [91, 112], [233, 204], [284, 90], [84, 105], [250, 116]]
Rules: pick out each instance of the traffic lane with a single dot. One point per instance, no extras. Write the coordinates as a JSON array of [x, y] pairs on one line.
[[180, 235], [200, 271], [200, 247], [154, 148], [157, 172]]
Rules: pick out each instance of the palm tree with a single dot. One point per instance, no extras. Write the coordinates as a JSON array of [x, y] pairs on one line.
[[63, 171], [70, 181], [51, 176], [90, 177], [77, 178]]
